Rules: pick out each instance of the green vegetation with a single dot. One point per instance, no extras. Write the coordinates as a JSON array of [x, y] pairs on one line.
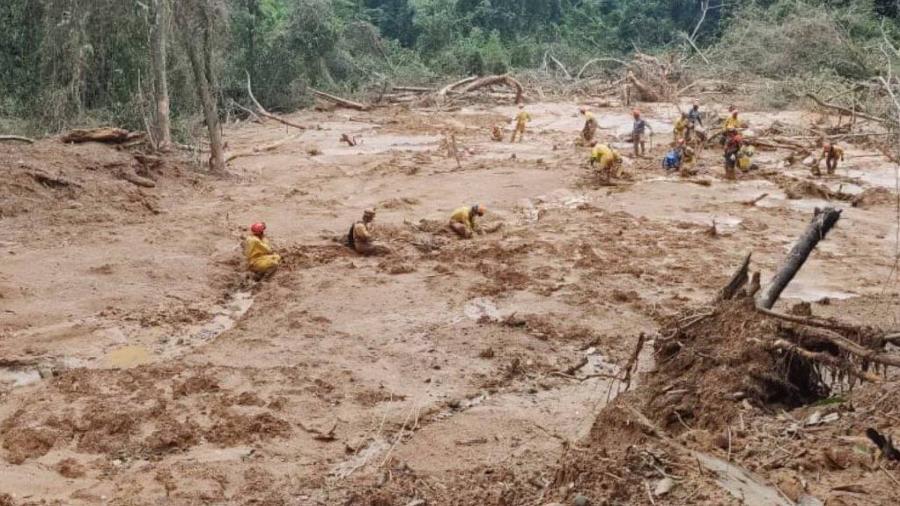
[[86, 61]]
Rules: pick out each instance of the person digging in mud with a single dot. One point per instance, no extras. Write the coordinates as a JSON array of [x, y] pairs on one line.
[[831, 154], [462, 221], [261, 259], [638, 132], [360, 236], [679, 157], [497, 134], [732, 148], [590, 125], [522, 119], [745, 157], [609, 160]]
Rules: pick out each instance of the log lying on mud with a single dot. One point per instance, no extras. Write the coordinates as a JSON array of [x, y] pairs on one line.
[[18, 138], [104, 134], [823, 221], [342, 102], [475, 83], [848, 112], [256, 150]]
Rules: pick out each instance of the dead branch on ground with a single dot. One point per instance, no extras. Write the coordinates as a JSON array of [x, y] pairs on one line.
[[342, 102], [256, 150], [107, 135], [16, 138], [266, 114]]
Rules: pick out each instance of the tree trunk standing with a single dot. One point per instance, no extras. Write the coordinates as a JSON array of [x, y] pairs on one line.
[[823, 221], [195, 24], [162, 125]]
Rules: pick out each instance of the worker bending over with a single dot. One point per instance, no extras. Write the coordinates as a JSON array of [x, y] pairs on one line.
[[638, 132], [681, 127], [462, 221], [522, 119], [732, 148], [832, 154], [261, 259], [360, 237], [732, 124], [590, 125], [609, 160]]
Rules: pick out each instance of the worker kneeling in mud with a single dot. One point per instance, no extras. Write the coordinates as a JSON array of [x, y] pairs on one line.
[[590, 125], [609, 160], [462, 221], [261, 259], [679, 157], [832, 154], [360, 237]]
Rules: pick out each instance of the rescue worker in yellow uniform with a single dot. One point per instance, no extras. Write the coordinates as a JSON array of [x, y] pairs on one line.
[[608, 158], [361, 238], [462, 221], [832, 154], [261, 259], [732, 124], [680, 129], [590, 125], [522, 120]]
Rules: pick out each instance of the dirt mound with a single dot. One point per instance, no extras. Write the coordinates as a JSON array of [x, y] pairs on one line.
[[80, 182], [234, 429], [70, 468], [873, 197]]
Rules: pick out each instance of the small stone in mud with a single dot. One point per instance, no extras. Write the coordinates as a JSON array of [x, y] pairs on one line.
[[487, 353], [581, 500], [454, 403]]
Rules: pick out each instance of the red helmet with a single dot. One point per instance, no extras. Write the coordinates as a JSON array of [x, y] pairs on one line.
[[258, 229], [826, 147], [636, 112]]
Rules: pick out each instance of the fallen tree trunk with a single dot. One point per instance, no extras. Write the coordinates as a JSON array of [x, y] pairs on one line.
[[849, 112], [452, 86], [495, 80], [259, 149], [16, 138], [412, 89], [105, 134], [137, 180], [349, 104], [823, 221], [598, 60]]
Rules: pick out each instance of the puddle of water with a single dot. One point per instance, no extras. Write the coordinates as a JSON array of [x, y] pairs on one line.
[[19, 376], [811, 293], [481, 307], [557, 199], [740, 483], [224, 317], [876, 176], [127, 357]]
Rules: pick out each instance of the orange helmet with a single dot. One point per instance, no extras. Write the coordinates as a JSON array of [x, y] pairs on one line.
[[582, 109], [258, 229], [826, 147], [680, 142], [636, 112], [479, 209]]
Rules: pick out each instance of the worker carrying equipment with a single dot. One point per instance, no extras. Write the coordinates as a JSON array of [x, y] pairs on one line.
[[638, 131], [361, 239], [590, 125], [522, 120], [609, 160], [462, 221], [261, 259], [732, 147]]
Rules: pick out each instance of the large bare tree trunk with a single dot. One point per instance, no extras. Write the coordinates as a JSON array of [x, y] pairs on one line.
[[162, 124], [195, 25]]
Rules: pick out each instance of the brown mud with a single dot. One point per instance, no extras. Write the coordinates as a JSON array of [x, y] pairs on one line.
[[141, 366]]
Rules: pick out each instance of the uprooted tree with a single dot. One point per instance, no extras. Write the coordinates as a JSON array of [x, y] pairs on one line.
[[738, 348]]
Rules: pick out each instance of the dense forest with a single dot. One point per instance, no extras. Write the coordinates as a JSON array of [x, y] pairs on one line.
[[75, 61]]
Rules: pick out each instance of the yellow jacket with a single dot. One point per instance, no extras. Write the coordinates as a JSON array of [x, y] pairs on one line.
[[835, 153], [465, 216], [732, 123], [605, 155], [522, 118], [260, 257], [681, 125]]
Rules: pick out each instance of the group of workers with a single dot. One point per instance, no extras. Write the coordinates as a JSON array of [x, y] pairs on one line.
[[687, 131], [262, 260]]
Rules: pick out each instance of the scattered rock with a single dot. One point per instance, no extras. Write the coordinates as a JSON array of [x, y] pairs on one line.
[[581, 500], [664, 486]]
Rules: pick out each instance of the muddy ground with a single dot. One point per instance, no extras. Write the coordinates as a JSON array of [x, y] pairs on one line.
[[141, 366]]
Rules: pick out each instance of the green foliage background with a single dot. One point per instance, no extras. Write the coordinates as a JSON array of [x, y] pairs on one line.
[[64, 62]]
